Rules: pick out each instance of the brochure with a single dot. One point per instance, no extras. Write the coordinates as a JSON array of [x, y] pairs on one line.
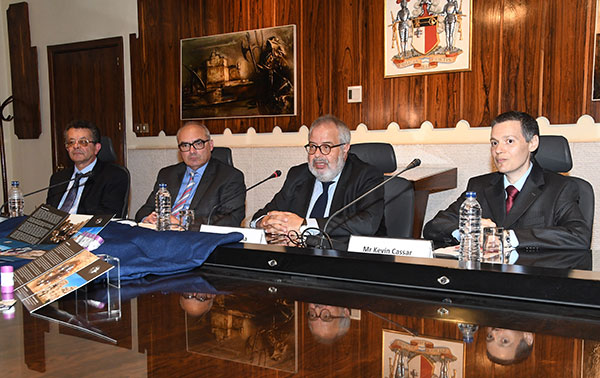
[[58, 272]]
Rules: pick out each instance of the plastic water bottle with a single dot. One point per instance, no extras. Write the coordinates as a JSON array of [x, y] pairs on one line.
[[16, 202], [163, 208], [470, 229]]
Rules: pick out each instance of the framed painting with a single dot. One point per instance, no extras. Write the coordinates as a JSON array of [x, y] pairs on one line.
[[405, 355], [242, 74], [426, 37]]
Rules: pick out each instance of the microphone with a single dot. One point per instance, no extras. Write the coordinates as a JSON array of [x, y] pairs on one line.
[[88, 174], [413, 164], [85, 175], [273, 175]]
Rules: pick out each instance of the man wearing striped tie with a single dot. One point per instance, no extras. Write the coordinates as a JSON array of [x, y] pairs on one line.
[[199, 182], [539, 208]]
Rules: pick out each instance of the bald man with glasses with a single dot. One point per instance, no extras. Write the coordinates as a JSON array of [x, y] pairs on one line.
[[330, 179], [199, 183]]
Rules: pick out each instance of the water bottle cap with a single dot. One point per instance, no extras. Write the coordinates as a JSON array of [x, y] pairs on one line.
[[471, 195], [14, 183], [162, 185]]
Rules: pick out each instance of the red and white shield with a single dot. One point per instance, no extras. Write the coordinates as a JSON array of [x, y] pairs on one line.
[[420, 366], [425, 37]]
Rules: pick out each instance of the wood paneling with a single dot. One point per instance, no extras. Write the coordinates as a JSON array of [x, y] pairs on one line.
[[526, 55], [24, 73], [357, 353]]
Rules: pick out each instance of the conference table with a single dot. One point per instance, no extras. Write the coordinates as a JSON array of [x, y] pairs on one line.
[[270, 311]]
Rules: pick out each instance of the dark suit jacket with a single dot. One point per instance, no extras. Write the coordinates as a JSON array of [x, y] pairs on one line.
[[545, 214], [364, 218], [220, 184], [105, 192]]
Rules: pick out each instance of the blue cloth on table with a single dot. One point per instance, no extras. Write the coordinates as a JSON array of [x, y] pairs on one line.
[[142, 251]]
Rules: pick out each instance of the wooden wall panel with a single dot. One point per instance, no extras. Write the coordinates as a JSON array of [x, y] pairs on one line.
[[481, 85], [346, 57], [523, 24], [24, 73], [315, 58], [564, 63], [526, 55]]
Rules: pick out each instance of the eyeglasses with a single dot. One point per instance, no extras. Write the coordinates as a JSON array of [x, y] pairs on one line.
[[83, 142], [325, 149], [200, 297], [198, 144], [325, 315]]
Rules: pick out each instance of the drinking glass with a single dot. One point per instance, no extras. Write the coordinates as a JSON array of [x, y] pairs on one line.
[[493, 245], [186, 218]]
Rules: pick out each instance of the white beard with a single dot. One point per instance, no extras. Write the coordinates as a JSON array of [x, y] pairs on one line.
[[328, 174]]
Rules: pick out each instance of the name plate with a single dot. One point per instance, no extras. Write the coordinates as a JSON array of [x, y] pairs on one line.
[[251, 235], [390, 246]]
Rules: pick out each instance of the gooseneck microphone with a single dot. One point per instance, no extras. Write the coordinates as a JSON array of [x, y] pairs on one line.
[[88, 174], [273, 175], [413, 164]]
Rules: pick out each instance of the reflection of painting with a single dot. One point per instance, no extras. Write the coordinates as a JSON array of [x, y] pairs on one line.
[[591, 359], [423, 37], [242, 329], [242, 74], [415, 356]]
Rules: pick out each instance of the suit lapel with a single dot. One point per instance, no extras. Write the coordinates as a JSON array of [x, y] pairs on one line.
[[87, 187], [207, 178], [303, 196], [174, 182], [494, 195], [342, 187], [527, 196]]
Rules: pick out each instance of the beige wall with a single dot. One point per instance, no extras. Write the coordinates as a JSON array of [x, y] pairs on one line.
[[64, 21]]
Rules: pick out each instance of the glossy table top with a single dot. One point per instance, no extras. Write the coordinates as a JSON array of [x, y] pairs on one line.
[[237, 322]]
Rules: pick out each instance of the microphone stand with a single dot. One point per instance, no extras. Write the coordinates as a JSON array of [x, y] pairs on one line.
[[413, 164], [275, 174], [89, 174]]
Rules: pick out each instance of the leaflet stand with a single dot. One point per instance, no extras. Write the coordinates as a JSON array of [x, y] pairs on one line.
[[109, 309]]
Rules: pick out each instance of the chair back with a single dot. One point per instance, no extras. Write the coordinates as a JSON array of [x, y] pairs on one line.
[[380, 155], [399, 193], [107, 155], [554, 155], [223, 154]]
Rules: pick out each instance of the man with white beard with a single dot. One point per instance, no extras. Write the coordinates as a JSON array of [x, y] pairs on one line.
[[331, 179]]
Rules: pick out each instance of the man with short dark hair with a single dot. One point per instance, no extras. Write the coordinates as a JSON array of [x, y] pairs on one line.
[[199, 183], [538, 207], [98, 187], [331, 179]]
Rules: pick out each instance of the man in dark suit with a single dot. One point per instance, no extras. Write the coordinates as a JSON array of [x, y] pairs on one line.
[[104, 191], [199, 183], [331, 179], [538, 207]]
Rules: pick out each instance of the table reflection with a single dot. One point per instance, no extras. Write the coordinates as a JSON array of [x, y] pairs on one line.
[[214, 322]]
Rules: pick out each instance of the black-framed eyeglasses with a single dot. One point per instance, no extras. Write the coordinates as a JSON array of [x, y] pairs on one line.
[[198, 144], [200, 297], [325, 149], [83, 142], [324, 314]]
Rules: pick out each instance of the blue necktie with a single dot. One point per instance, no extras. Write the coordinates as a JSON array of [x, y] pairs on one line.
[[318, 210], [72, 195]]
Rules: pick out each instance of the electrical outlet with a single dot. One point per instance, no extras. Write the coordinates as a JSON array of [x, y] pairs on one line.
[[355, 94]]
